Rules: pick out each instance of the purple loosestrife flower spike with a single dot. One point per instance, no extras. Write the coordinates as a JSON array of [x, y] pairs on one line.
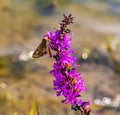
[[67, 82]]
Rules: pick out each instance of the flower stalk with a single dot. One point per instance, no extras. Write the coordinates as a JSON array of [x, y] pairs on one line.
[[68, 82]]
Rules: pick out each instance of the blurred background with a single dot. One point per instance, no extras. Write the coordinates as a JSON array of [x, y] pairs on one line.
[[96, 41]]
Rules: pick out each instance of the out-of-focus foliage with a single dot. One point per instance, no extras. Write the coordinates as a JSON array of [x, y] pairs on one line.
[[16, 21]]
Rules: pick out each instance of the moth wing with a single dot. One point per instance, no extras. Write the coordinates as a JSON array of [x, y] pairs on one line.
[[40, 50]]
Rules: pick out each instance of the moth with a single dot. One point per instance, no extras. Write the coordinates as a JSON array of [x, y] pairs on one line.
[[42, 49]]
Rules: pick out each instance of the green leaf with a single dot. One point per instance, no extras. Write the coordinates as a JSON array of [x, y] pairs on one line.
[[34, 108]]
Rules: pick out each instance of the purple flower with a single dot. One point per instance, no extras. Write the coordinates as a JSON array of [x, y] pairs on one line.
[[67, 81]]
